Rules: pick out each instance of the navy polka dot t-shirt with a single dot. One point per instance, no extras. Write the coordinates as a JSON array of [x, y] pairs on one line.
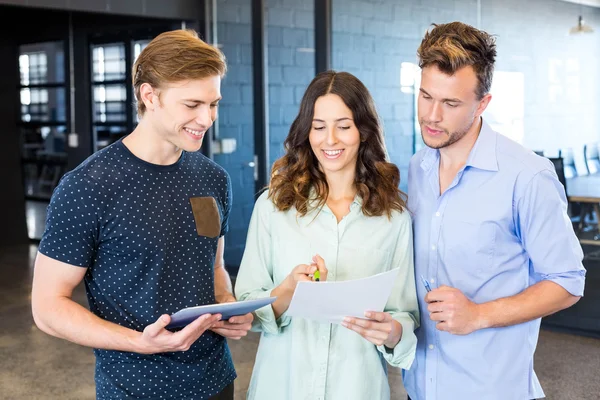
[[130, 223]]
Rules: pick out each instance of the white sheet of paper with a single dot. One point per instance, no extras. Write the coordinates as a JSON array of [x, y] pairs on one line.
[[332, 301]]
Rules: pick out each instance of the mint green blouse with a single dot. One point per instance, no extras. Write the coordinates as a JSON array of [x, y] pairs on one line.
[[303, 359]]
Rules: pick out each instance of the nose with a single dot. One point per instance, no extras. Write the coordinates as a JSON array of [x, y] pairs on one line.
[[331, 138], [435, 112], [205, 116]]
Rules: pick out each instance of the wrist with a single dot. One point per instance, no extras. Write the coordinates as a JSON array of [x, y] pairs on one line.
[[395, 336], [482, 321], [225, 298], [283, 291], [136, 343]]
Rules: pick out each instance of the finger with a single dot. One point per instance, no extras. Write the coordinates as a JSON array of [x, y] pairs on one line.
[[438, 316], [154, 329], [437, 294], [442, 326], [234, 334], [303, 278], [304, 269], [374, 326], [378, 316], [231, 327], [371, 335], [242, 319], [377, 338], [200, 324], [364, 323], [438, 306], [320, 263]]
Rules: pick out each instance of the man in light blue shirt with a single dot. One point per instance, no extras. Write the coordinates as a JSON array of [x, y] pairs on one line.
[[491, 233]]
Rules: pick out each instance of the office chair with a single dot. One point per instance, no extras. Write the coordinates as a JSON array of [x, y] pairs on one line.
[[568, 162], [592, 158]]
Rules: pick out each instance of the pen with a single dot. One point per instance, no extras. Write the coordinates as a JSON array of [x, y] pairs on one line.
[[425, 283], [317, 276]]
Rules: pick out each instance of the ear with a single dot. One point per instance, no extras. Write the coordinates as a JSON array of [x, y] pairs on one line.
[[483, 103], [149, 96]]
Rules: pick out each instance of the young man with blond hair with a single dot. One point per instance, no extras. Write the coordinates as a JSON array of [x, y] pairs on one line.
[[491, 233], [141, 222]]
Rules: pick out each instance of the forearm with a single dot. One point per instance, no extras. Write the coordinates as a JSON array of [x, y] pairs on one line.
[[284, 298], [537, 301], [223, 288], [64, 318]]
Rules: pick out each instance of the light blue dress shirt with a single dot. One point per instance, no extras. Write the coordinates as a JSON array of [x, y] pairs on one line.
[[299, 358], [500, 227]]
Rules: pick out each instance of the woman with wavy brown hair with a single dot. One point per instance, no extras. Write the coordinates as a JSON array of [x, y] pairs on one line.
[[334, 200]]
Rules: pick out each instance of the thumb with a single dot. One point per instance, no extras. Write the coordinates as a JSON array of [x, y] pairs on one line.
[[317, 259], [160, 324]]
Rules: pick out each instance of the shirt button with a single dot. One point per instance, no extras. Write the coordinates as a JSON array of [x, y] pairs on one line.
[[437, 214], [432, 280], [431, 347], [433, 247]]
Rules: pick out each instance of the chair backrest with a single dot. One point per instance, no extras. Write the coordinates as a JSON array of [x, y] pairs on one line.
[[592, 158], [560, 170], [568, 161]]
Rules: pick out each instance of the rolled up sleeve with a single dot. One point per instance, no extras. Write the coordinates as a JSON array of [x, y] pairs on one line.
[[547, 234], [402, 304]]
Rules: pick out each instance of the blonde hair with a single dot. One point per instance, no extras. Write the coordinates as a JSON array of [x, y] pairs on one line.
[[455, 45], [175, 56]]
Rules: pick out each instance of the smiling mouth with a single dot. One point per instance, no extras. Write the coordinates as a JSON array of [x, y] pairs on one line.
[[194, 132], [332, 154]]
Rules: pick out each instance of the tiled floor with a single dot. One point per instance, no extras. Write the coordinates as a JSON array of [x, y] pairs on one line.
[[34, 365]]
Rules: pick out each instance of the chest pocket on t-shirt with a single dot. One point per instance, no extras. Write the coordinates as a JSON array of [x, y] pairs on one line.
[[206, 216]]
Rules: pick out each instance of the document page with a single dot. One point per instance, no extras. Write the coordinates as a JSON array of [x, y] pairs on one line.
[[332, 301]]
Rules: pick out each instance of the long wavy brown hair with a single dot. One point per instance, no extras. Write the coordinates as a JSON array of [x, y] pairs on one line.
[[298, 171]]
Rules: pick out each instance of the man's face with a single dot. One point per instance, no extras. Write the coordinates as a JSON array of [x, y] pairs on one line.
[[448, 105], [185, 110]]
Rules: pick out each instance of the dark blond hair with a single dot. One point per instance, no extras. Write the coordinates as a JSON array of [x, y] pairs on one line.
[[297, 172], [456, 45], [175, 56]]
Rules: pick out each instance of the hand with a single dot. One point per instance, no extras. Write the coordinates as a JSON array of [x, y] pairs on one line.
[[454, 312], [303, 272], [381, 329], [236, 327], [318, 262], [156, 339]]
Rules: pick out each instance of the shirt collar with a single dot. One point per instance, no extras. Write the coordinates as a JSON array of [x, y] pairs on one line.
[[482, 155]]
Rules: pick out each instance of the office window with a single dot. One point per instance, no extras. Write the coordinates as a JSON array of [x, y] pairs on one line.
[[43, 120], [108, 62]]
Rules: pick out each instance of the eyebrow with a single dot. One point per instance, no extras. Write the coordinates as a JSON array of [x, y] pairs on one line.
[[201, 101], [337, 120], [445, 100]]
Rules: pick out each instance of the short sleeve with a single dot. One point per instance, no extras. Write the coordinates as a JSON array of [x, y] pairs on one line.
[[73, 221]]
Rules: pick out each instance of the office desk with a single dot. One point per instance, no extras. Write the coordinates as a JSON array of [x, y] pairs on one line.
[[585, 189]]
